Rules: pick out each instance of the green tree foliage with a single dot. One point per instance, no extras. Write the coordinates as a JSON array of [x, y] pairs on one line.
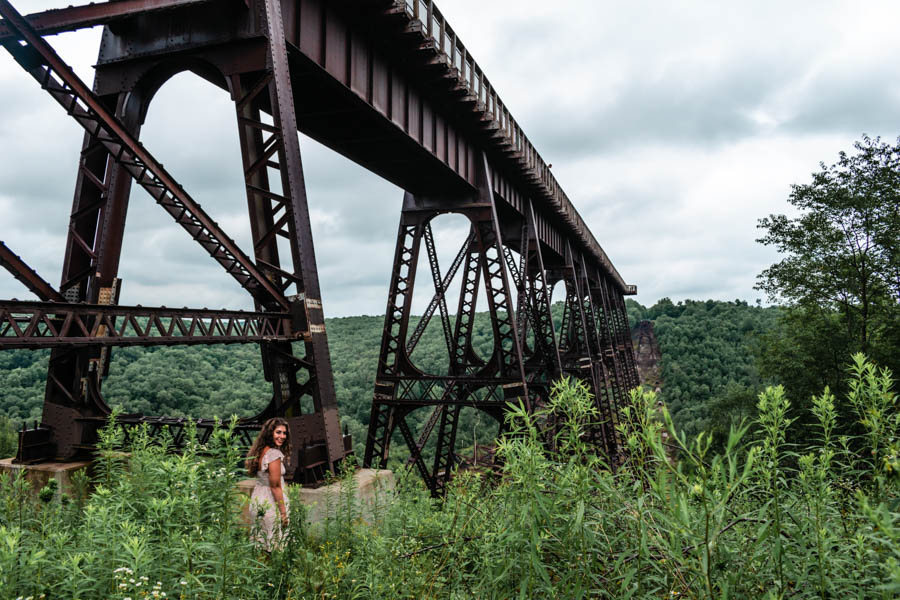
[[710, 378], [840, 271]]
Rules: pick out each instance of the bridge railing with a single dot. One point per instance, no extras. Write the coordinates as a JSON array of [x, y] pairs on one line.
[[479, 86]]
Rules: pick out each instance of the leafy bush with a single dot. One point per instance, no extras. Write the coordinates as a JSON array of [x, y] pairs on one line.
[[756, 520]]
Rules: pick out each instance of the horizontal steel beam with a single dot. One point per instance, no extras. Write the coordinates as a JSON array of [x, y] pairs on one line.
[[73, 18], [37, 325]]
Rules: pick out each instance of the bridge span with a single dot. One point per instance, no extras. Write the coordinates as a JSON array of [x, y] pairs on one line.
[[388, 84]]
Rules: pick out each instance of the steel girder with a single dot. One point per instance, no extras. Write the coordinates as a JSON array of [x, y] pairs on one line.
[[41, 325], [112, 157], [401, 59], [72, 18]]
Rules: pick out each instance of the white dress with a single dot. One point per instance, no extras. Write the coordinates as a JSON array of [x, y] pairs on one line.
[[262, 503]]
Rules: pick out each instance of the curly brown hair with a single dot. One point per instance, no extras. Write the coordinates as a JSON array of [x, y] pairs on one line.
[[266, 440]]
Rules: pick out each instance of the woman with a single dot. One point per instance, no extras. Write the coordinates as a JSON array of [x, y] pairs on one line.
[[265, 461]]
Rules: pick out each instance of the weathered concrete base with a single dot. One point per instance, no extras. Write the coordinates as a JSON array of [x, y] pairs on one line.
[[39, 475], [371, 485]]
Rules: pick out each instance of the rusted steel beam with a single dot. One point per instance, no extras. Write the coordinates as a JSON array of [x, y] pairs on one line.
[[21, 271], [55, 76], [72, 18], [299, 230], [36, 325]]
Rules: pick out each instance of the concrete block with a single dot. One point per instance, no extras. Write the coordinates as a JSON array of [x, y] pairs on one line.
[[371, 484], [39, 475]]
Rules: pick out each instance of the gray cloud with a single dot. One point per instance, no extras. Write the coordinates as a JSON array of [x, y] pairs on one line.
[[854, 101], [673, 127]]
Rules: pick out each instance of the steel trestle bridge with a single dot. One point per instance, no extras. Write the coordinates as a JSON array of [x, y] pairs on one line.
[[388, 84]]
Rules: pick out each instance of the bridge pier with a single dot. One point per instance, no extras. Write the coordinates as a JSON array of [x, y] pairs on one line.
[[525, 356], [40, 475], [400, 386]]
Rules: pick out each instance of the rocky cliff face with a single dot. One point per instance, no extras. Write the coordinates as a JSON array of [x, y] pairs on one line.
[[646, 354]]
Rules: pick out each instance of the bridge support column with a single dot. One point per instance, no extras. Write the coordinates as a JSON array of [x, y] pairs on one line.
[[278, 209], [577, 342], [400, 386], [615, 340], [89, 275], [605, 433]]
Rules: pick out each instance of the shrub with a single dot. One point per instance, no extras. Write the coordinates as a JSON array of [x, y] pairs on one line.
[[755, 520]]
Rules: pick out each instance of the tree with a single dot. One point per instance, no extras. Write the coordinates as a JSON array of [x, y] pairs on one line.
[[840, 275]]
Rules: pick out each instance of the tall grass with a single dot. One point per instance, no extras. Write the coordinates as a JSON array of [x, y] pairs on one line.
[[759, 520]]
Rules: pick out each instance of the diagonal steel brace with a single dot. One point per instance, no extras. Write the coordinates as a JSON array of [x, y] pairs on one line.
[[68, 90], [21, 271]]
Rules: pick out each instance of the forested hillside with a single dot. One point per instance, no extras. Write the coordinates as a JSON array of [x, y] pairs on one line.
[[208, 381], [707, 368], [709, 350]]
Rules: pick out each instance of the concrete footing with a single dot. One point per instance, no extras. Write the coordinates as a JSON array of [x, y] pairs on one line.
[[370, 485], [39, 475]]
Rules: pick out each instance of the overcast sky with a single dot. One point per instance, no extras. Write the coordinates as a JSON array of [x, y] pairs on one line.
[[672, 126]]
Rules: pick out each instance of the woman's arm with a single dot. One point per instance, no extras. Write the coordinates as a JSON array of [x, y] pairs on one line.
[[277, 491]]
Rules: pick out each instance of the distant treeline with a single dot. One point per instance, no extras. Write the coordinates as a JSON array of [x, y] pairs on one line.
[[707, 368], [220, 381]]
